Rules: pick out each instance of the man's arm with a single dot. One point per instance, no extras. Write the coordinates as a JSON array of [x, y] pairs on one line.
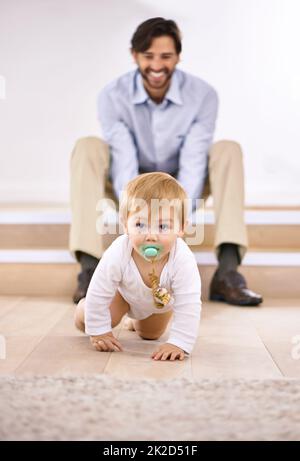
[[193, 156], [124, 161]]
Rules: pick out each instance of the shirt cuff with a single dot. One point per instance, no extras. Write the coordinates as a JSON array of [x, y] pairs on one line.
[[98, 331], [184, 346]]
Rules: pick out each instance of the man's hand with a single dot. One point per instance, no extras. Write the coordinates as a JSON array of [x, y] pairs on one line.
[[168, 350], [106, 343]]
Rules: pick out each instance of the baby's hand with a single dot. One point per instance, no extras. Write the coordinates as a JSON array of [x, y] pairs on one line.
[[106, 343], [166, 350]]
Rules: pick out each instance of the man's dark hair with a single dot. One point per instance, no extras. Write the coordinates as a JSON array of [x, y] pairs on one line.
[[152, 28]]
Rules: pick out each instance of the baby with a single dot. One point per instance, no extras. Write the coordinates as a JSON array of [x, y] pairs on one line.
[[148, 273]]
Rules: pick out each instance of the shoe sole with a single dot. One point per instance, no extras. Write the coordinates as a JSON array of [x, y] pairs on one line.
[[222, 299]]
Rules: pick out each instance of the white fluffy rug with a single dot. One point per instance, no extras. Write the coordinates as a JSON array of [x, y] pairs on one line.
[[105, 408]]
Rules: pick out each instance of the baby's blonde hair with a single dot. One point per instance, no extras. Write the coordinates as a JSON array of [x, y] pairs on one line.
[[156, 185]]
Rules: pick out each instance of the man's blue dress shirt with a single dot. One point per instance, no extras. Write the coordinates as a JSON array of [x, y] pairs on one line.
[[173, 136]]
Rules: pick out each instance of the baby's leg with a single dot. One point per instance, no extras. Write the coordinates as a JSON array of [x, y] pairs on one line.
[[154, 326], [118, 308], [79, 315]]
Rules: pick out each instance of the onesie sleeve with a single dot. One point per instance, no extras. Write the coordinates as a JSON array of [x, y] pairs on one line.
[[102, 289], [186, 287]]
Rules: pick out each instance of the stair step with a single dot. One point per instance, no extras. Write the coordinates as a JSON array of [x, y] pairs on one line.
[[61, 214], [35, 260], [54, 236], [49, 272], [203, 257], [49, 227], [38, 279]]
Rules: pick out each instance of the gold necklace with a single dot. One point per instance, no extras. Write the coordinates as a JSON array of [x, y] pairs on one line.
[[161, 295]]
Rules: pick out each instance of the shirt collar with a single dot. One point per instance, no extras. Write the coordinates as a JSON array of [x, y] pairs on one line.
[[140, 95]]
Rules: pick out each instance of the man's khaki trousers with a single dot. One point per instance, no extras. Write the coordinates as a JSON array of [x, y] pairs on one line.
[[89, 183]]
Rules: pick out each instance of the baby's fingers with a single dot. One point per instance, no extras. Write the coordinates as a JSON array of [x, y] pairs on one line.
[[165, 356], [117, 344], [177, 355], [113, 344], [157, 356], [110, 345], [96, 346], [100, 345], [107, 344], [154, 353]]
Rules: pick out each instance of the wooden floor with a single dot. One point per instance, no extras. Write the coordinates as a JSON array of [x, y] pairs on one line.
[[233, 343]]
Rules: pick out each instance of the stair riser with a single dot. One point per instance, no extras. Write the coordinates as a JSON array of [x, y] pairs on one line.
[[61, 280], [56, 236]]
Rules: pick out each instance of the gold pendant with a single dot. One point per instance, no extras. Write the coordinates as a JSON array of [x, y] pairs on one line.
[[161, 295]]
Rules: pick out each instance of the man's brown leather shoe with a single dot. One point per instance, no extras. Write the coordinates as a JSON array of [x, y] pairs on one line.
[[231, 288], [84, 279]]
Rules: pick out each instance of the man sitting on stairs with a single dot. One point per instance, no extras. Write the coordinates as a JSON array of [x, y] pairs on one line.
[[159, 118]]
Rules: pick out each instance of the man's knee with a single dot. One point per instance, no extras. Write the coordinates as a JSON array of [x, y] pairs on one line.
[[226, 149], [88, 142], [89, 147]]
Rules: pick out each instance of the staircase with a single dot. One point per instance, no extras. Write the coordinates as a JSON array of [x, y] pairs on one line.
[[34, 256]]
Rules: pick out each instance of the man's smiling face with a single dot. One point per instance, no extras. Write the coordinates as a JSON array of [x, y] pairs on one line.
[[157, 64]]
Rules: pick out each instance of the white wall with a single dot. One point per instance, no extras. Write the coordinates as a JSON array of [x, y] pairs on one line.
[[56, 54]]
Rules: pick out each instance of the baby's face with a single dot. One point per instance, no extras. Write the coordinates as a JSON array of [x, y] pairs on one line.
[[161, 228]]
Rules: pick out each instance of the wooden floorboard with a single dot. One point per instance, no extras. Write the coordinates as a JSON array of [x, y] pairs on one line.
[[18, 348], [63, 355], [278, 326], [64, 350], [229, 346], [135, 361], [233, 342], [7, 303], [33, 316], [24, 322]]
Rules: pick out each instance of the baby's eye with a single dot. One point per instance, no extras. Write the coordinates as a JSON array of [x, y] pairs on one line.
[[140, 225], [163, 227]]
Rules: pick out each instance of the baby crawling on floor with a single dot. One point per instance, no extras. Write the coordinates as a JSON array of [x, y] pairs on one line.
[[148, 273]]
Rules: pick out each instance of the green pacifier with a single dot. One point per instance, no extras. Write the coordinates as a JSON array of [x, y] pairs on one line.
[[151, 251]]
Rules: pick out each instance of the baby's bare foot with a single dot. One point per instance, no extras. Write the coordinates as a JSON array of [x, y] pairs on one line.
[[129, 325]]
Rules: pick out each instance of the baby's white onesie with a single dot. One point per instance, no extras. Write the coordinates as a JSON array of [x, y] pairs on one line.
[[117, 271]]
